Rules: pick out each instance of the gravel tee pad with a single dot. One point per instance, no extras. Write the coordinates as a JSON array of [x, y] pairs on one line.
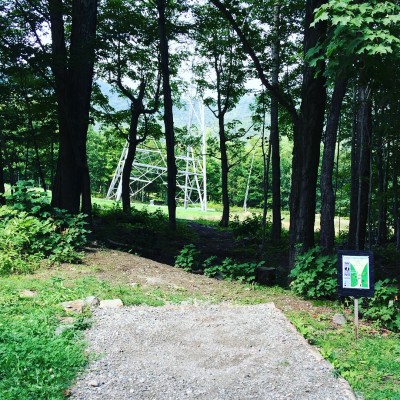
[[203, 352]]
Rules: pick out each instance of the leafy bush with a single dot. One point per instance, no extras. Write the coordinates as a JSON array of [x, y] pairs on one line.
[[250, 229], [314, 274], [188, 258], [30, 231], [229, 270], [24, 197], [384, 307]]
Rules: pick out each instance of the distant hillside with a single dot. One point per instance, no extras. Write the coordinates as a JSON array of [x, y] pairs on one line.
[[182, 115]]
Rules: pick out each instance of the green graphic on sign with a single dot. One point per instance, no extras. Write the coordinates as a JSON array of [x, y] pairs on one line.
[[356, 272]]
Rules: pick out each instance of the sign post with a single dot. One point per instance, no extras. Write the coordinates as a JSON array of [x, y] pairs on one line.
[[356, 277]]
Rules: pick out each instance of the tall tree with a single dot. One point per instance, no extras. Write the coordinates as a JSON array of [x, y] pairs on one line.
[[72, 66], [307, 127], [221, 77], [129, 60], [168, 111]]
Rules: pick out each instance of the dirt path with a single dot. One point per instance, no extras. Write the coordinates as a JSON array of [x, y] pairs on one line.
[[199, 351], [204, 352]]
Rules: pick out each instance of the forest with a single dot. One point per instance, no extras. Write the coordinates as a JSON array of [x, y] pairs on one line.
[[292, 109]]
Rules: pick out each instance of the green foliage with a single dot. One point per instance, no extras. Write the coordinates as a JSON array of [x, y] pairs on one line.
[[188, 258], [250, 229], [369, 364], [34, 362], [314, 274], [30, 231], [384, 307], [232, 271]]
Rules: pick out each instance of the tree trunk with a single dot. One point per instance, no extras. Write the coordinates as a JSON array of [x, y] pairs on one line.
[[382, 165], [2, 185], [130, 156], [307, 133], [327, 236], [276, 229], [168, 114], [73, 78], [360, 170], [224, 171], [396, 214]]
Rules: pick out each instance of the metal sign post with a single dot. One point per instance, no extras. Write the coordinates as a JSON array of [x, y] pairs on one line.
[[355, 277]]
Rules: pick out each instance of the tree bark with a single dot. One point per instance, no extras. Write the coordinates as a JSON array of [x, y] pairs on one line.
[[224, 171], [168, 114], [360, 170], [73, 80], [382, 165], [2, 185], [276, 229], [130, 156], [327, 236], [307, 135]]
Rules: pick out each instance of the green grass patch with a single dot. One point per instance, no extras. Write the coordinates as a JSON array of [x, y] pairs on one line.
[[35, 363], [370, 364]]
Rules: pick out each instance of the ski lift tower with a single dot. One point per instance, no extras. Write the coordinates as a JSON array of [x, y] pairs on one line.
[[150, 165]]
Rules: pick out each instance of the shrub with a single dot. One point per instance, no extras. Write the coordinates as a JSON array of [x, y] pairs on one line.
[[30, 231], [384, 307], [250, 229], [188, 258], [314, 274], [230, 270]]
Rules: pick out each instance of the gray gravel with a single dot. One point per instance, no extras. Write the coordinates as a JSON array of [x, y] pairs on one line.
[[203, 352]]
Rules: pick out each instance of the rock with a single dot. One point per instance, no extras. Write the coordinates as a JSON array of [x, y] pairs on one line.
[[28, 293], [94, 383], [115, 303], [92, 301], [339, 319], [67, 320], [62, 328], [75, 306]]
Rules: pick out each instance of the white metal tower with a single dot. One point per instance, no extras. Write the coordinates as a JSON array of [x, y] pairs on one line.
[[150, 165]]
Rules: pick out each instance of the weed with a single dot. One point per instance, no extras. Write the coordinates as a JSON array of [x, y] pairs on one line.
[[230, 270], [314, 275], [188, 258]]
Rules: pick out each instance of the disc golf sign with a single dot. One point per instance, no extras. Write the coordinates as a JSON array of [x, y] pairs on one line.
[[356, 273]]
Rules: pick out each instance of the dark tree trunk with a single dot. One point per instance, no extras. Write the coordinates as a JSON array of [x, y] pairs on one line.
[[382, 165], [276, 229], [130, 156], [2, 183], [168, 114], [327, 236], [396, 214], [360, 170], [307, 135], [73, 78], [224, 171]]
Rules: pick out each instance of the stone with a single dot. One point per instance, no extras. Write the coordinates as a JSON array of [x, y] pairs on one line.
[[62, 328], [339, 319], [114, 303], [67, 320], [94, 383], [28, 293], [75, 306], [92, 301]]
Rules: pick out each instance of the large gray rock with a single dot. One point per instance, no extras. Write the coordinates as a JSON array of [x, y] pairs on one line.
[[75, 306], [339, 319], [115, 303]]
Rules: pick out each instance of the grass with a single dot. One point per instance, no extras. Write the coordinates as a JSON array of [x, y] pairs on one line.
[[370, 364], [35, 363]]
